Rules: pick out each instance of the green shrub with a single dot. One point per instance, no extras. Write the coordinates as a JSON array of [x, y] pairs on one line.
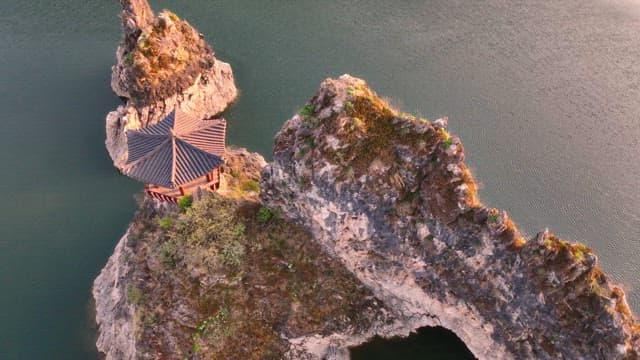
[[307, 110], [266, 214], [185, 202], [129, 59], [493, 218], [447, 143]]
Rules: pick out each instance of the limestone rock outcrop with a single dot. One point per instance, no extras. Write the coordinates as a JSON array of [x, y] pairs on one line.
[[390, 196], [161, 63], [366, 223], [114, 313], [227, 279]]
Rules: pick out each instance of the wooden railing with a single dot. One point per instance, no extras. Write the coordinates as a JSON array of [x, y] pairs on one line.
[[210, 181]]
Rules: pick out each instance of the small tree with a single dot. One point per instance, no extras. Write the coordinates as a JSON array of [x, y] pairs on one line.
[[185, 202]]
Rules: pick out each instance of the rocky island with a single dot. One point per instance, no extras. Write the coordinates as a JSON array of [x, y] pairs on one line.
[[366, 223], [162, 62]]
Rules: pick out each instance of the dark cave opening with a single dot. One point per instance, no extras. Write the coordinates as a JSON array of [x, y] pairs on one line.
[[433, 343]]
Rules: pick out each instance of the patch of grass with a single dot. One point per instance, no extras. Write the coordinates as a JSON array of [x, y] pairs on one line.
[[358, 123], [180, 55], [213, 327], [218, 318], [578, 250], [445, 134], [229, 253], [446, 138], [232, 253], [250, 185], [239, 229], [131, 56], [196, 348], [266, 214], [185, 202], [371, 135], [165, 223], [307, 110], [221, 318], [493, 218], [172, 16], [166, 59], [169, 254], [348, 105], [135, 296]]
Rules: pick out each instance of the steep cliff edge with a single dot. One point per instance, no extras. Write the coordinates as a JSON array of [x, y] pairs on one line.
[[227, 279], [390, 195], [163, 61]]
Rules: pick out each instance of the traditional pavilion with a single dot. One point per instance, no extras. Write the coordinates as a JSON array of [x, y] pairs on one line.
[[176, 156]]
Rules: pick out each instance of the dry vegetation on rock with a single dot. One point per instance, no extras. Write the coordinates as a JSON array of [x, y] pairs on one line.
[[230, 279], [166, 58]]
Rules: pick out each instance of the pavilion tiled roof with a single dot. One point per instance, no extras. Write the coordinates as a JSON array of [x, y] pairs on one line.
[[176, 150]]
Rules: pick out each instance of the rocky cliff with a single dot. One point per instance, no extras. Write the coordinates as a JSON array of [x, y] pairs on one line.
[[162, 61], [390, 196], [366, 223], [228, 279]]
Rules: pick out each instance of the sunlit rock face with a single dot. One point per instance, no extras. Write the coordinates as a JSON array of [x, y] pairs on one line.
[[390, 196], [163, 62]]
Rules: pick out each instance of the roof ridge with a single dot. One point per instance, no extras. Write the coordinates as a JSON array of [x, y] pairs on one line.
[[145, 156], [185, 120], [204, 127], [173, 159], [187, 144], [199, 157]]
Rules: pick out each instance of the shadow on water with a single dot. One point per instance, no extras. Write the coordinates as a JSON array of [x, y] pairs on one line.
[[433, 343]]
